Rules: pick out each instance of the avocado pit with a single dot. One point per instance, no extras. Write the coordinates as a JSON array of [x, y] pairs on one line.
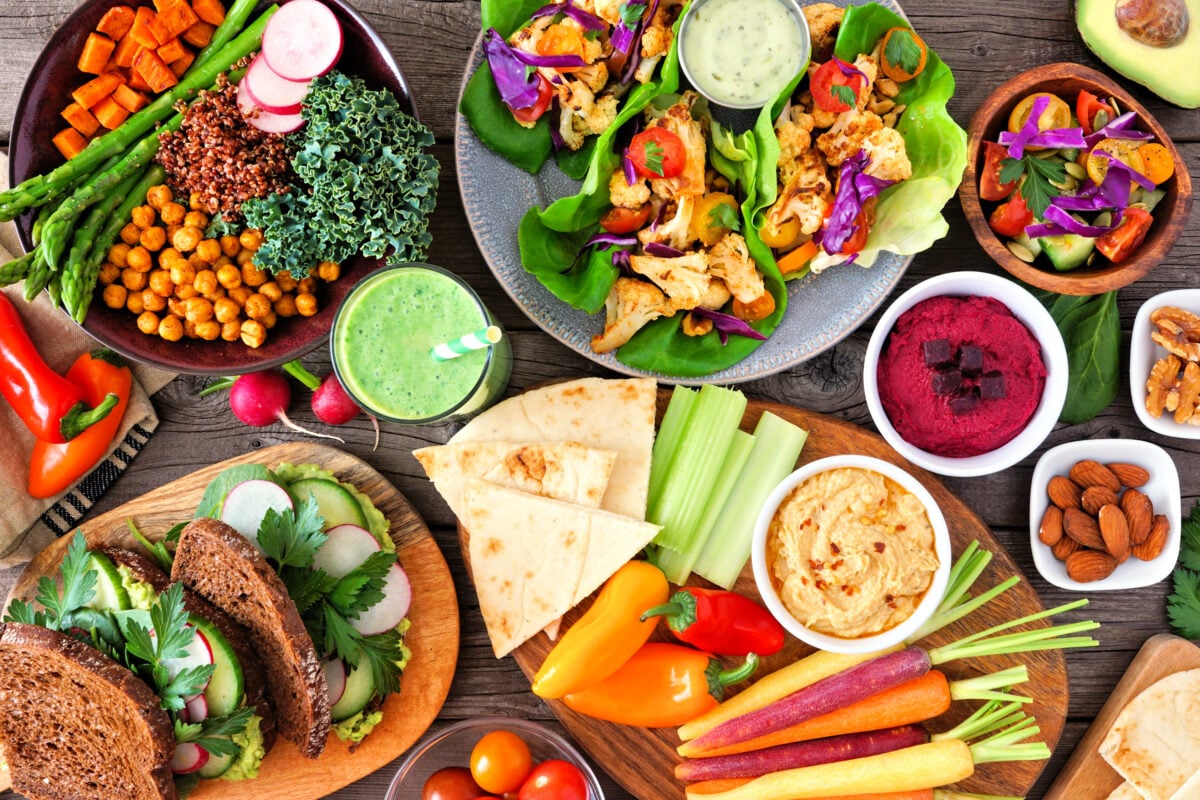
[[1157, 23]]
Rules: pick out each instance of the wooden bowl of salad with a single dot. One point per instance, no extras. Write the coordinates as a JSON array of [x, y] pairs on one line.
[[1087, 196]]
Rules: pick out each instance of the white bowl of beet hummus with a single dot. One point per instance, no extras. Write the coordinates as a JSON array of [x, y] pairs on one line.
[[965, 374], [851, 554]]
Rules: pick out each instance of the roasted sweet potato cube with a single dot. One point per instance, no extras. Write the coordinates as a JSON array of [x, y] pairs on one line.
[[172, 50], [175, 16], [152, 69], [126, 49], [116, 22], [181, 65], [97, 49], [200, 34], [97, 89], [129, 99], [110, 113], [211, 11], [81, 119], [69, 142]]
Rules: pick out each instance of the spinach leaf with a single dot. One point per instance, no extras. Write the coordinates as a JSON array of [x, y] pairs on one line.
[[1091, 330], [214, 495], [550, 256], [495, 126]]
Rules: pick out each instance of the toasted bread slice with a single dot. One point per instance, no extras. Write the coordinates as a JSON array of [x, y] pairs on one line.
[[77, 723], [217, 563]]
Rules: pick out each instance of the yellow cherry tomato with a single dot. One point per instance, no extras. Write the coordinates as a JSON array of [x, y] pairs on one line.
[[500, 762], [1056, 115], [705, 224], [782, 237], [1124, 150]]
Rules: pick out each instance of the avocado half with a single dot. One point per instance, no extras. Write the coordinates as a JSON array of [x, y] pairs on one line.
[[1168, 71]]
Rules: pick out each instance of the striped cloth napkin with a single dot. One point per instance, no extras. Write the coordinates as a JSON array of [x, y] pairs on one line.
[[28, 525]]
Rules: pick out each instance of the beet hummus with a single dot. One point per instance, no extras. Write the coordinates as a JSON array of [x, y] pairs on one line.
[[960, 376]]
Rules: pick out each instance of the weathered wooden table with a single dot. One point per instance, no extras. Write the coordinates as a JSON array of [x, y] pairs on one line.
[[984, 43]]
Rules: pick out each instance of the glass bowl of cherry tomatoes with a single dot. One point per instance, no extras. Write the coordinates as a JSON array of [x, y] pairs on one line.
[[495, 757]]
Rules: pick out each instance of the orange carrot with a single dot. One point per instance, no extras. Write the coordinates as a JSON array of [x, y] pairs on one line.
[[175, 16], [97, 49], [180, 65], [116, 22], [81, 119], [129, 99], [912, 701], [152, 69], [798, 258], [142, 31], [171, 50], [69, 142], [110, 113], [126, 49], [97, 89], [211, 11], [200, 34], [715, 786]]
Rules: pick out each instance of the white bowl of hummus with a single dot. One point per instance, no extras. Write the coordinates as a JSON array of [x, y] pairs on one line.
[[965, 374], [851, 554]]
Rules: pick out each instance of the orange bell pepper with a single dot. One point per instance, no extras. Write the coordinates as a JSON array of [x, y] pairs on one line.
[[54, 467]]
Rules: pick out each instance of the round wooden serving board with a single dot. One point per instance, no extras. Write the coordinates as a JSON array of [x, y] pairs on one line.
[[285, 774], [643, 760]]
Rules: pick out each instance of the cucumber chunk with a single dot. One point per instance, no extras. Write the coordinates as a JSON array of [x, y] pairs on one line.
[[110, 593], [227, 685], [358, 692], [337, 506], [216, 766]]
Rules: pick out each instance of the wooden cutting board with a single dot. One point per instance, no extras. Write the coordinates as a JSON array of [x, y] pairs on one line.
[[285, 774], [1086, 774], [643, 760]]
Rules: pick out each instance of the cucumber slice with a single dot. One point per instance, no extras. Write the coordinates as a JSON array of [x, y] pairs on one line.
[[110, 593], [216, 766], [358, 692], [337, 506], [227, 685]]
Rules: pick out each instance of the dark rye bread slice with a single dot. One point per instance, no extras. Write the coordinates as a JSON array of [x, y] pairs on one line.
[[254, 684], [217, 563], [77, 724]]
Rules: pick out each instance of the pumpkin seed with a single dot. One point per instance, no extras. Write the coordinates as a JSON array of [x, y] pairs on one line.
[[1020, 251], [1076, 170], [1103, 219]]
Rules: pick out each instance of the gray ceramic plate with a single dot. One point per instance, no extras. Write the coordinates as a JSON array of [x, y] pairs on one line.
[[822, 309]]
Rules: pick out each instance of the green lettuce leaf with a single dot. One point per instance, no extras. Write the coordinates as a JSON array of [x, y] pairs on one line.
[[495, 126], [550, 255], [506, 16]]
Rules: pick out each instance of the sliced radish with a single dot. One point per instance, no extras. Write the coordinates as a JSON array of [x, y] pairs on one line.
[[264, 120], [335, 678], [347, 547], [387, 613], [303, 40], [188, 757], [271, 92], [246, 505], [196, 708], [198, 653]]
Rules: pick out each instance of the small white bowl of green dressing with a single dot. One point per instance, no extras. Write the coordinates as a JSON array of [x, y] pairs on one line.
[[741, 54]]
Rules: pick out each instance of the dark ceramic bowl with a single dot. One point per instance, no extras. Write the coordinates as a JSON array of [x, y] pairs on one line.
[[47, 91], [1066, 80]]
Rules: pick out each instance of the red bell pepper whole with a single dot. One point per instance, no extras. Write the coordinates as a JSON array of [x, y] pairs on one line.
[[51, 407], [721, 622], [54, 467], [663, 685]]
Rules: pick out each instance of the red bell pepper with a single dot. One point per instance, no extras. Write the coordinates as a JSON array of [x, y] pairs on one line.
[[1009, 219], [51, 407], [1087, 105], [720, 622]]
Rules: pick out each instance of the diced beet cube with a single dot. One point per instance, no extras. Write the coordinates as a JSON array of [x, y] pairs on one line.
[[937, 353], [970, 359], [991, 386], [964, 403], [946, 381]]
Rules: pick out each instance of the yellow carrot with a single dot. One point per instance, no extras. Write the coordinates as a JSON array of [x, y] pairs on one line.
[[924, 766]]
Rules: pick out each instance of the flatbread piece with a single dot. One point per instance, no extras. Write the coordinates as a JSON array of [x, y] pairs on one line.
[[1155, 741]]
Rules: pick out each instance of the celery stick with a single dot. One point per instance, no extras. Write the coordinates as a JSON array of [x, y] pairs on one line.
[[777, 445], [714, 420], [670, 432], [678, 566]]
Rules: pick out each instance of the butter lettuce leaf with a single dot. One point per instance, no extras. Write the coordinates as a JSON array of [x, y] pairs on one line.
[[550, 256]]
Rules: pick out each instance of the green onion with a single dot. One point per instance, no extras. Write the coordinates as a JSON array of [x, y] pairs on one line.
[[670, 433], [777, 445]]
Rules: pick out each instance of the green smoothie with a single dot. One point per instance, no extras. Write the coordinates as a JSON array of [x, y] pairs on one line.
[[384, 335]]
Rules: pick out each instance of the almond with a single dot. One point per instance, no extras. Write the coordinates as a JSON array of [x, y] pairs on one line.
[[1155, 542], [1083, 529], [1115, 531], [1090, 565], [1092, 473], [1131, 476], [1096, 497], [1051, 529], [1064, 492], [1139, 513], [1064, 547]]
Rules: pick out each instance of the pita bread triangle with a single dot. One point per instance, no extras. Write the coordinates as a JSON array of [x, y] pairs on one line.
[[1154, 743], [534, 558]]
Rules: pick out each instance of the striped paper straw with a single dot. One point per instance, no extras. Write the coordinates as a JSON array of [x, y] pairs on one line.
[[478, 340]]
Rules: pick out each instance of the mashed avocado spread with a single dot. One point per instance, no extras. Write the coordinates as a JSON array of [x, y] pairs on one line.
[[141, 594], [248, 761]]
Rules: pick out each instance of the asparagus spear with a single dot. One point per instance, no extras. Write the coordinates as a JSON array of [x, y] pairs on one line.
[[235, 18], [17, 269]]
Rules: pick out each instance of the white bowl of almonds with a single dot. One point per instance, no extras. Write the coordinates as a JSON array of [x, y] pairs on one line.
[[1104, 514]]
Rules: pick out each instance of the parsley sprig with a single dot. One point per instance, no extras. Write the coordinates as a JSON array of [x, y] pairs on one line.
[[1037, 189], [214, 733], [844, 94], [151, 655], [653, 161], [1183, 605], [725, 216], [61, 610], [632, 13]]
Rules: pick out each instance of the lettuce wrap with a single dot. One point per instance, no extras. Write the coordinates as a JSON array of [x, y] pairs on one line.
[[908, 216], [493, 122]]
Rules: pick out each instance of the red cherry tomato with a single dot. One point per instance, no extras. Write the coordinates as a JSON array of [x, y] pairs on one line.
[[827, 76], [500, 762], [657, 153], [451, 783], [1010, 218], [554, 780], [1124, 240], [531, 114], [625, 220], [990, 187]]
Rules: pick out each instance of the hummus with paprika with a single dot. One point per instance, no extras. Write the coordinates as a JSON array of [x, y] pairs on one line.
[[851, 553], [960, 376]]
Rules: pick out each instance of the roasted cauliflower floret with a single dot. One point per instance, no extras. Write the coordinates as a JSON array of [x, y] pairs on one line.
[[807, 195], [729, 260], [715, 297], [675, 231], [607, 10], [630, 306], [622, 194], [684, 279], [847, 135], [795, 139], [888, 156], [868, 66], [581, 113], [823, 21], [603, 112], [656, 40]]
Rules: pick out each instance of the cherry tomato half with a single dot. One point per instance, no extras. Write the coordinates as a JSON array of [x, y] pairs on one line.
[[990, 187], [625, 220], [1010, 218], [451, 783], [1056, 115], [1124, 240], [500, 762], [1087, 105], [657, 153], [827, 76], [530, 115], [554, 780]]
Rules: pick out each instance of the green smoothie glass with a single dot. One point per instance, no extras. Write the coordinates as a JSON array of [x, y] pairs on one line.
[[383, 343]]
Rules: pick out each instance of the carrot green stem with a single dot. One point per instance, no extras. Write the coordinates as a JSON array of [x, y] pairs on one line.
[[946, 794], [988, 718], [984, 687], [1010, 745]]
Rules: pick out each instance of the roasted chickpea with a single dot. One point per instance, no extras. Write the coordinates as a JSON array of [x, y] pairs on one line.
[[225, 310], [161, 283], [186, 239], [251, 239], [286, 281], [240, 294], [231, 331], [244, 257], [109, 272], [216, 294], [271, 291], [153, 301], [172, 230], [307, 286], [209, 330], [230, 245], [133, 303], [117, 254], [198, 263], [171, 328], [147, 322], [253, 276], [286, 306], [269, 320], [114, 295], [153, 238], [139, 259], [229, 276], [133, 280], [209, 250], [158, 196], [185, 291], [224, 260], [143, 217], [130, 234], [329, 271], [206, 281], [306, 304], [196, 201], [182, 273], [254, 333], [172, 213], [175, 306], [257, 306], [196, 219], [197, 309], [169, 255], [189, 329]]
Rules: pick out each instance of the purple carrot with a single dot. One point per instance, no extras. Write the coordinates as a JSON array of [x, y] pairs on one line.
[[828, 694], [801, 754]]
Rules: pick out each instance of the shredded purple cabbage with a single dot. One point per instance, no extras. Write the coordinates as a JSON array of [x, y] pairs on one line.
[[586, 21], [660, 250], [849, 70], [1059, 222], [1016, 142], [1119, 128], [517, 88], [727, 324], [620, 260], [635, 46], [658, 217], [623, 36], [618, 239], [566, 61], [556, 137], [628, 168], [1131, 174], [855, 187]]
